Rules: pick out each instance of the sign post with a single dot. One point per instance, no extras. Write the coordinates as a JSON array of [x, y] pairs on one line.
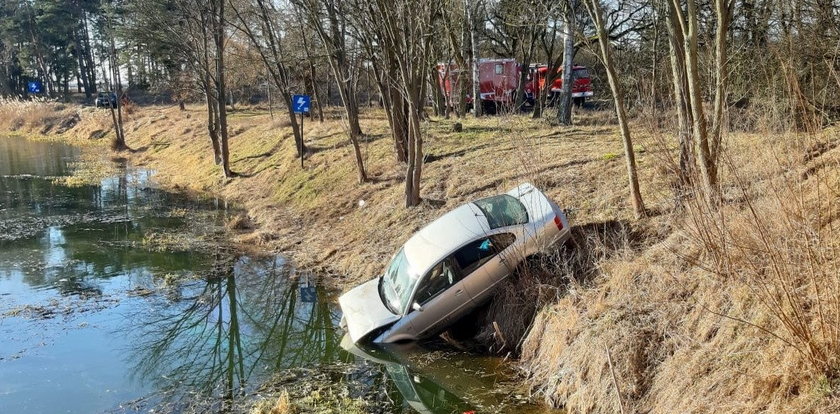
[[300, 105]]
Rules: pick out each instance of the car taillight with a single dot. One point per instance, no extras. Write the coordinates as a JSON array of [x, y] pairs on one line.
[[558, 223]]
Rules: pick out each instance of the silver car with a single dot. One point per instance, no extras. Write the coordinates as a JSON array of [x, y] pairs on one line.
[[452, 265]]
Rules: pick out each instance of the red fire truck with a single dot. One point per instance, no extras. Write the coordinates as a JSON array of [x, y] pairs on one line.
[[498, 79], [581, 82]]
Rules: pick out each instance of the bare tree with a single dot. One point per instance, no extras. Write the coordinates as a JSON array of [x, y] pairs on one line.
[[192, 30], [310, 60], [685, 27], [328, 18], [723, 12], [455, 26], [218, 23], [266, 37], [406, 32], [680, 83], [594, 9], [116, 84], [385, 68]]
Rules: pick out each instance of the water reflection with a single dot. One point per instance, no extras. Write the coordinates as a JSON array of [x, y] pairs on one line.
[[430, 379], [246, 320], [23, 157], [417, 389]]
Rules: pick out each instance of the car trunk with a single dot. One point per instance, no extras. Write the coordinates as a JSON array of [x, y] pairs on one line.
[[541, 216]]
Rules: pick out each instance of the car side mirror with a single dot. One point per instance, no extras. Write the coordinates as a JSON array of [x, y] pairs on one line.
[[416, 306]]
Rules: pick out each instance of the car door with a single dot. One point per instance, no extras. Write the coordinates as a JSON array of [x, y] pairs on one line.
[[484, 263], [441, 296]]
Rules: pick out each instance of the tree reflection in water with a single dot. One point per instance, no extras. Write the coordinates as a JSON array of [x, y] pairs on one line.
[[242, 322]]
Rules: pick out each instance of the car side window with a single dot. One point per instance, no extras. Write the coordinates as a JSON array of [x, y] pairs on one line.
[[476, 253], [440, 278]]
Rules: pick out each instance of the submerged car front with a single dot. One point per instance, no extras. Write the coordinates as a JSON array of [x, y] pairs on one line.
[[374, 306]]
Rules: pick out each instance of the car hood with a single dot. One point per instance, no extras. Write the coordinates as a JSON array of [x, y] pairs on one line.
[[364, 311]]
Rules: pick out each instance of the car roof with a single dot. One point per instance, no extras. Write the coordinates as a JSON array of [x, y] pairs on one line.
[[442, 236]]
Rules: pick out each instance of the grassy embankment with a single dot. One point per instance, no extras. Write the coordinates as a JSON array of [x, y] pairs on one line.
[[729, 311]]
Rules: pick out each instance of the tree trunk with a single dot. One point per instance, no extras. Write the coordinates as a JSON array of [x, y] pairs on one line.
[[297, 128], [524, 71], [551, 71], [400, 113], [723, 11], [476, 87], [221, 92], [355, 134], [119, 143], [90, 68], [212, 106], [81, 78], [211, 124], [564, 113], [695, 95], [415, 159], [315, 95], [676, 43], [618, 98], [439, 100]]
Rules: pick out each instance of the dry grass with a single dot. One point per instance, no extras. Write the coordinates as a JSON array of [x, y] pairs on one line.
[[21, 115], [736, 311], [682, 301], [45, 119], [280, 405]]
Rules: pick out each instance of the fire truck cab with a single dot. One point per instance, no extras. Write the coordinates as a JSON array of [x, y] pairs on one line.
[[581, 83]]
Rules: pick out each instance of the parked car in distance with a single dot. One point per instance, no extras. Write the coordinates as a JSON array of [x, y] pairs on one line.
[[452, 266], [106, 100]]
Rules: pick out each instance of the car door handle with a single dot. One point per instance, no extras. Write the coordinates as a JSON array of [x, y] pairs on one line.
[[459, 292]]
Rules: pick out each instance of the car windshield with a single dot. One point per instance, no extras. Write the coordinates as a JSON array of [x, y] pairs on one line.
[[397, 283], [502, 211]]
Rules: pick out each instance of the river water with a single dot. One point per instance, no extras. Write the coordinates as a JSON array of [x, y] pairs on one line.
[[117, 297]]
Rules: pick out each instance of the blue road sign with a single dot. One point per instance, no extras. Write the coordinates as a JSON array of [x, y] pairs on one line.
[[300, 104], [34, 87]]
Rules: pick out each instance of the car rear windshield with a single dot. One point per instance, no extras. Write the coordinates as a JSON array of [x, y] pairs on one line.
[[502, 211], [580, 73]]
